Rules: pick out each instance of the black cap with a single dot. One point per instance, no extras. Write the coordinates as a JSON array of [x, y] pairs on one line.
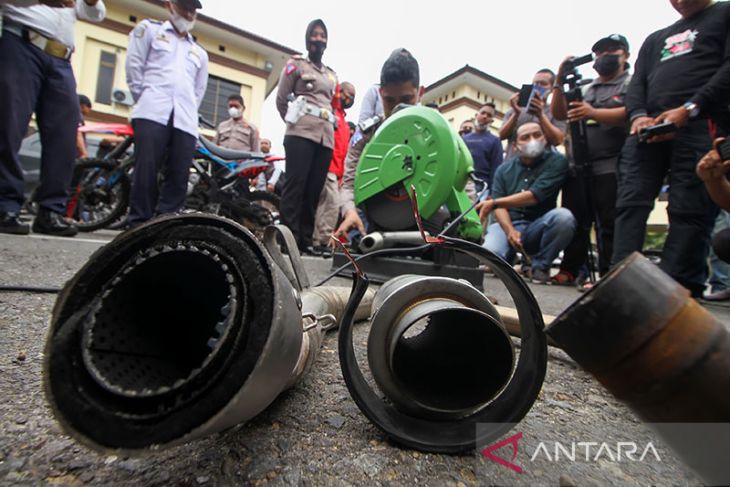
[[189, 3], [611, 40]]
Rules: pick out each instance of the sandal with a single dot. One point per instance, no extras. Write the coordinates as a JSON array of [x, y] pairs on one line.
[[563, 278]]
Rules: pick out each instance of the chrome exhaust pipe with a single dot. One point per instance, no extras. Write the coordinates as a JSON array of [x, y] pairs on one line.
[[443, 359], [437, 347], [178, 329], [384, 240]]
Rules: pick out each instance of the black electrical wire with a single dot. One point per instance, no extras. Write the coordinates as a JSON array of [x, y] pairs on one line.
[[30, 289], [398, 251]]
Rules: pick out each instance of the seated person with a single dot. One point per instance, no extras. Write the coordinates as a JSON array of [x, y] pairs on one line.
[[523, 199], [713, 171]]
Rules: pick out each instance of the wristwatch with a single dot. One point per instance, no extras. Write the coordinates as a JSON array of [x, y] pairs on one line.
[[692, 108]]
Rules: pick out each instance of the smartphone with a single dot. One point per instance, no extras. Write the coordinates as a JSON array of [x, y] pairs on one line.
[[724, 150], [525, 94], [663, 128]]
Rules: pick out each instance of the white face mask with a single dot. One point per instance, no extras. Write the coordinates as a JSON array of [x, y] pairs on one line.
[[533, 149], [235, 112], [182, 24], [479, 126]]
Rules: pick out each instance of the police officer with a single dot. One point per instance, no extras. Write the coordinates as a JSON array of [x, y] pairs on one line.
[[36, 44], [590, 191], [237, 133], [309, 137], [167, 73]]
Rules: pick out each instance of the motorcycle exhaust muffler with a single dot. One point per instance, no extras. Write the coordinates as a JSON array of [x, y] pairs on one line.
[[178, 329], [656, 349], [443, 360]]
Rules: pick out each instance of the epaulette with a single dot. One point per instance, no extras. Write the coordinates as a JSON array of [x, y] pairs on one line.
[[298, 57], [141, 28]]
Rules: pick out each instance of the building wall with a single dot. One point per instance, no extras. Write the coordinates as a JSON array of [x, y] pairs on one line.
[[112, 36]]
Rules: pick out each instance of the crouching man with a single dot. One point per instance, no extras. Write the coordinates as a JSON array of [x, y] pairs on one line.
[[523, 199]]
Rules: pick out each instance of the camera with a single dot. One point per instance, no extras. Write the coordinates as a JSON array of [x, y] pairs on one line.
[[571, 66]]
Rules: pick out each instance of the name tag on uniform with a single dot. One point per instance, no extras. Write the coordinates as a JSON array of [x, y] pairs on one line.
[[162, 37]]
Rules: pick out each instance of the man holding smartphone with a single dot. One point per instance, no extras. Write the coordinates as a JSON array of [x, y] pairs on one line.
[[682, 76], [537, 111]]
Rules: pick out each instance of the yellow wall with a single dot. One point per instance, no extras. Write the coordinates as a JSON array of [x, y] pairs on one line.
[[91, 39]]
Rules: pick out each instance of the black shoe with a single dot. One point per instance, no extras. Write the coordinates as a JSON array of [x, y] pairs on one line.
[[9, 223], [311, 251], [52, 223]]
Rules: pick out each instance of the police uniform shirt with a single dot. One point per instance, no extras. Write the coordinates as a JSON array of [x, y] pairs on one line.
[[166, 73], [54, 23], [238, 135], [605, 141], [301, 77]]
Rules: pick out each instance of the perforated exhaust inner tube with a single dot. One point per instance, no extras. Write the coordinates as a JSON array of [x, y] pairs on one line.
[[160, 336]]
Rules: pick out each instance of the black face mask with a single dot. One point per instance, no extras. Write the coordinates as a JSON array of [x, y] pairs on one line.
[[607, 64], [319, 47]]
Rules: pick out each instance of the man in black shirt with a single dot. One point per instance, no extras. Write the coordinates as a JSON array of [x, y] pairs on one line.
[[682, 76]]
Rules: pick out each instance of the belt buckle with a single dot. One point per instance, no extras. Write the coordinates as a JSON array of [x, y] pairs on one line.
[[57, 49], [324, 114]]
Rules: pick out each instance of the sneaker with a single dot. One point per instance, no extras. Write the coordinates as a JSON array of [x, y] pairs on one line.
[[10, 223], [722, 295], [51, 223], [563, 278], [540, 276]]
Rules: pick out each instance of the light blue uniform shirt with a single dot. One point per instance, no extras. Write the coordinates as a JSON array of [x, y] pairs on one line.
[[55, 23], [166, 73]]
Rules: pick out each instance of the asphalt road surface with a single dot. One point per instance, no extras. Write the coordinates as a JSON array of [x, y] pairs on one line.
[[313, 434]]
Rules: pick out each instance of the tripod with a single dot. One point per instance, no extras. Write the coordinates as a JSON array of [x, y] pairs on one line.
[[579, 149]]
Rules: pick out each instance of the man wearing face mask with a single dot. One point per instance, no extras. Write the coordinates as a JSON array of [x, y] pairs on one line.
[[523, 200], [237, 133], [485, 148], [538, 112], [167, 73], [590, 191], [682, 76], [309, 138], [328, 208]]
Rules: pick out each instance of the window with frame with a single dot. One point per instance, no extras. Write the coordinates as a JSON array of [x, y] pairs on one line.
[[214, 107], [105, 78]]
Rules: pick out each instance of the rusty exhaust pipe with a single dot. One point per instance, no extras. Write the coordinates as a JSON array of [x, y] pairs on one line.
[[178, 329], [653, 347]]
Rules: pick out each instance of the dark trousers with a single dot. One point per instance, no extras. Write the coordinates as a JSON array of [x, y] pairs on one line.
[[156, 147], [590, 199], [307, 163], [33, 81], [641, 172]]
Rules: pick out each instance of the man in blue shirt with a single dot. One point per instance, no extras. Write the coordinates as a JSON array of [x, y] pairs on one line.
[[485, 148], [523, 199], [167, 73]]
